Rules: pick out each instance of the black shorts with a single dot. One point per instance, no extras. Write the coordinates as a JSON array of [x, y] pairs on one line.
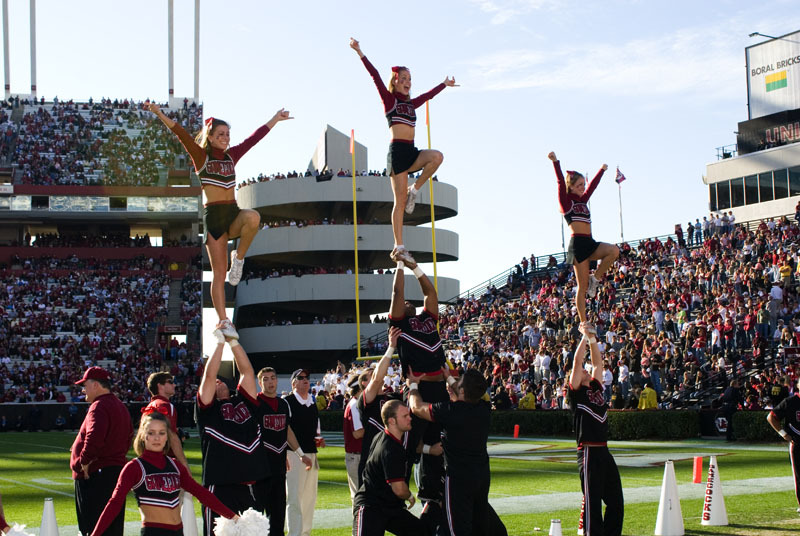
[[161, 531], [581, 248], [402, 155], [217, 219]]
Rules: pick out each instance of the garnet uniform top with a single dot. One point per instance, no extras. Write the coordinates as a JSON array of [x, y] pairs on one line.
[[386, 464], [215, 167], [165, 407], [352, 417], [156, 480], [575, 207], [400, 110], [104, 438], [419, 346], [304, 421], [591, 426], [465, 432], [789, 412], [274, 417], [230, 440]]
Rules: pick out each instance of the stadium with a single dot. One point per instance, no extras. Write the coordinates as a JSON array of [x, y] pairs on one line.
[[102, 263]]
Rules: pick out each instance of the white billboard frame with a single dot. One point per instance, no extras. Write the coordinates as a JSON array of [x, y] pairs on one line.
[[779, 59]]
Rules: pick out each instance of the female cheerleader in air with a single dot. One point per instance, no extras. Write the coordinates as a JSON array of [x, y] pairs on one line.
[[223, 220], [573, 199], [157, 480], [404, 157]]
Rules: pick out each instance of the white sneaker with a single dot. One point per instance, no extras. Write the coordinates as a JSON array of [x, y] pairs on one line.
[[411, 200], [235, 273], [226, 329], [219, 336], [591, 292]]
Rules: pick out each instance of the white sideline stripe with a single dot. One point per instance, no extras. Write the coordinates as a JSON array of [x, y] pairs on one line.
[[49, 490]]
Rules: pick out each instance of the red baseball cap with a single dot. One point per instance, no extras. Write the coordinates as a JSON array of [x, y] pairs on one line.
[[94, 373]]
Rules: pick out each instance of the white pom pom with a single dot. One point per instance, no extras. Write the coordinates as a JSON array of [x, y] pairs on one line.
[[250, 523], [18, 530]]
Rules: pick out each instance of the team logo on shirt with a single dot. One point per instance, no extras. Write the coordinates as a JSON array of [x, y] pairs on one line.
[[407, 109], [224, 168], [238, 414], [596, 397], [580, 208], [276, 423], [166, 483], [428, 325]]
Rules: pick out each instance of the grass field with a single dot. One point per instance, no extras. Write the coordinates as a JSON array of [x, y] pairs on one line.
[[532, 482]]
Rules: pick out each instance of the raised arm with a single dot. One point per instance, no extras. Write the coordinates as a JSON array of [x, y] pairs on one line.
[[196, 152], [248, 376], [376, 382], [238, 151], [431, 302], [563, 199], [597, 360], [577, 361], [416, 404], [398, 307], [595, 181], [208, 385], [387, 98]]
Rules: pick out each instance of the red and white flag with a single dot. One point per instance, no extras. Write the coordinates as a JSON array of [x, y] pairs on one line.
[[620, 177]]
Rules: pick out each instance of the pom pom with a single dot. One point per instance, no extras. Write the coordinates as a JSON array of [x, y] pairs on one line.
[[18, 530], [250, 523]]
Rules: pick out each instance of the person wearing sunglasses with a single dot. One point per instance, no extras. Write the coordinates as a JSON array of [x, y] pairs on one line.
[[162, 387], [301, 481]]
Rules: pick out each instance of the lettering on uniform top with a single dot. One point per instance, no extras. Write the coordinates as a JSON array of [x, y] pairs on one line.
[[406, 108], [424, 326], [579, 208], [238, 414], [220, 167], [274, 422], [165, 483], [596, 397]]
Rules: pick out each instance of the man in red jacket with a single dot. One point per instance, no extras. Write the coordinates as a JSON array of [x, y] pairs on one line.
[[98, 453]]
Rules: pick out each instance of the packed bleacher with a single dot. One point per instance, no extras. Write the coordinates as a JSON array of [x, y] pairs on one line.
[[61, 315], [113, 143], [677, 320]]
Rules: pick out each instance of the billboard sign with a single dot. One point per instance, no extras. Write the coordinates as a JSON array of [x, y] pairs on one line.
[[773, 75]]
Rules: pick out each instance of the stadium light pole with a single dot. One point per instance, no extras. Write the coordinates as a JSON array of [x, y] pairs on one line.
[[6, 60], [762, 35], [197, 51], [33, 48], [170, 50]]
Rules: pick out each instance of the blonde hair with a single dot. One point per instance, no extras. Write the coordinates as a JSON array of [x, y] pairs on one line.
[[209, 127], [395, 76], [138, 441], [572, 178]]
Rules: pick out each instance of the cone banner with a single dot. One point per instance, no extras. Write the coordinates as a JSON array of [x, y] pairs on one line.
[[49, 526], [669, 521], [188, 518], [714, 512], [555, 528], [697, 474]]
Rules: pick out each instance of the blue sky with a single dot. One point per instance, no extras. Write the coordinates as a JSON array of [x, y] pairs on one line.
[[653, 87]]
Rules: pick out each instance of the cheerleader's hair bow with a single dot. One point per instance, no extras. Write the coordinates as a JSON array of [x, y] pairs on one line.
[[209, 121], [148, 410], [397, 68]]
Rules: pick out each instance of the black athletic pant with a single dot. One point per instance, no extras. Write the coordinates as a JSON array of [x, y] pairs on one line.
[[274, 503], [237, 497], [92, 495], [466, 504], [794, 455], [375, 521], [160, 531], [431, 469], [601, 484]]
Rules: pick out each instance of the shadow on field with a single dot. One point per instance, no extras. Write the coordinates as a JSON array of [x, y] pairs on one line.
[[736, 529]]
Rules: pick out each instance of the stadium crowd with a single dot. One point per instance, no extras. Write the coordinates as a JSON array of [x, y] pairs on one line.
[[108, 142]]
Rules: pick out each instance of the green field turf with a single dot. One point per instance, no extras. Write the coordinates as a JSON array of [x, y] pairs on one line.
[[532, 482]]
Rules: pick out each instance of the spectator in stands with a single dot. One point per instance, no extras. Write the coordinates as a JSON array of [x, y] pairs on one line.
[[214, 162]]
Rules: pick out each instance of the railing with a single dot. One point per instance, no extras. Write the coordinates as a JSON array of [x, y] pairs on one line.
[[727, 151]]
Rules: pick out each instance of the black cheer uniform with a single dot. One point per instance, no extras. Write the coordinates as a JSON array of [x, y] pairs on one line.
[[600, 479], [376, 509], [274, 418], [788, 411]]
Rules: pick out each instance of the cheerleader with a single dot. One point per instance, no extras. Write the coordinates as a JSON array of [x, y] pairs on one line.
[[573, 199], [223, 220], [404, 157]]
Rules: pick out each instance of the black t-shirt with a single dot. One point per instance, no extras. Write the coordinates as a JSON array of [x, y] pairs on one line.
[[230, 440], [371, 420], [788, 411], [590, 411], [465, 432], [274, 431], [419, 346], [386, 464]]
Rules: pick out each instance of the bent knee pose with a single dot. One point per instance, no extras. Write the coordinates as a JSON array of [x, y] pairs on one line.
[[223, 220], [573, 199], [404, 157]]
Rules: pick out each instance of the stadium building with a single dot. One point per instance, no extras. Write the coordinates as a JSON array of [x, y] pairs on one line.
[[760, 176], [296, 305]]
